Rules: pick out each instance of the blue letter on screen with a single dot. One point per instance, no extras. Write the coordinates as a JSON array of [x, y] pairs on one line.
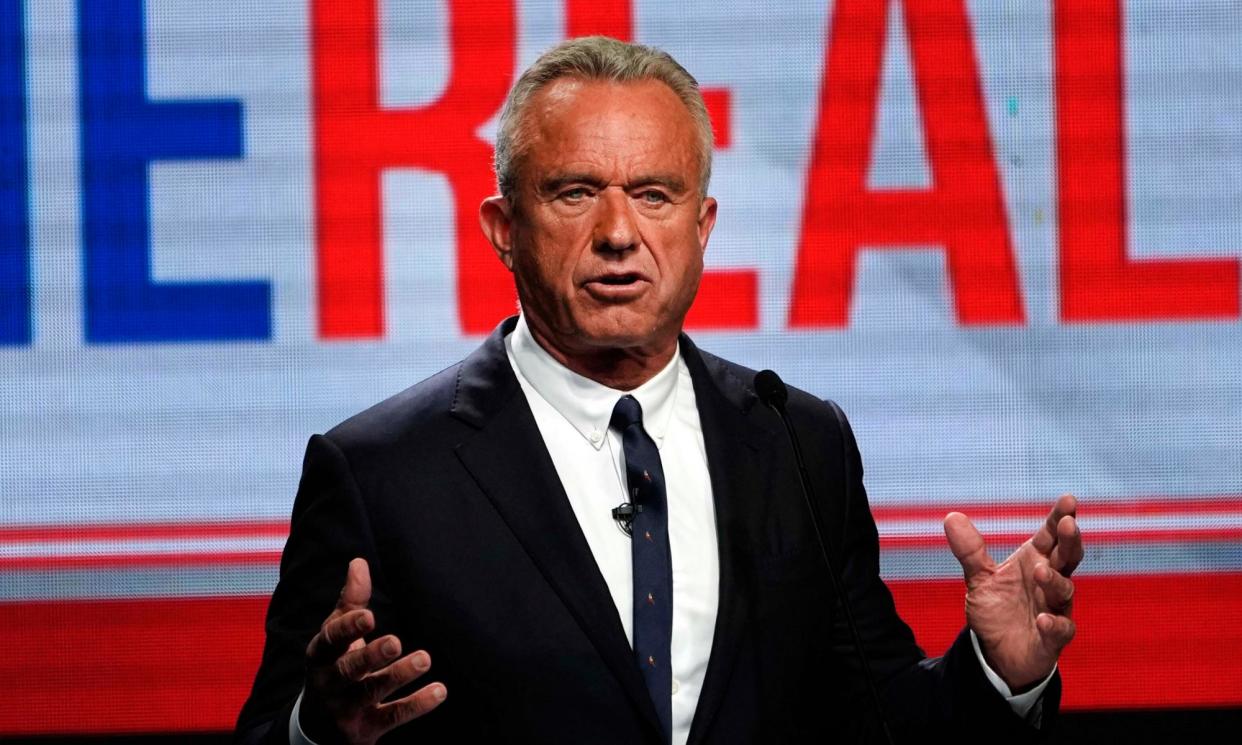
[[122, 133], [14, 180]]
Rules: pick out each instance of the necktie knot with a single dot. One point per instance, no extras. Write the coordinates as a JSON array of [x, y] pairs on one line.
[[626, 413]]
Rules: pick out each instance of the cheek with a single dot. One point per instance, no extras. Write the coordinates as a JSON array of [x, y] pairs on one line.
[[681, 259], [562, 246], [552, 260]]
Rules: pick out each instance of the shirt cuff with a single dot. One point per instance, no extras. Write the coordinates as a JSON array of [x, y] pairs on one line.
[[1023, 704], [298, 737]]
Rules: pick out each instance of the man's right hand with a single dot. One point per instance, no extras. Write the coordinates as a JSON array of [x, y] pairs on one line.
[[348, 679]]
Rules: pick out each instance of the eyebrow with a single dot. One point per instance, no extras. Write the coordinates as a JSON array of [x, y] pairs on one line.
[[672, 182], [557, 181]]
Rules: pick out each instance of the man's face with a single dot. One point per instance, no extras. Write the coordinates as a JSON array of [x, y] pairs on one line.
[[606, 230]]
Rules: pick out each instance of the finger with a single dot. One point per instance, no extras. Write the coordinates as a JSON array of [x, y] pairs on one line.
[[382, 683], [967, 544], [357, 590], [1056, 631], [1068, 553], [337, 634], [356, 663], [411, 707], [1046, 537], [1058, 590]]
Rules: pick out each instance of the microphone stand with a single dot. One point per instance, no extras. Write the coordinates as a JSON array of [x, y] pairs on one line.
[[773, 393]]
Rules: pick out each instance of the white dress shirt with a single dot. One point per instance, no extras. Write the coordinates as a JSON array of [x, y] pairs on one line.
[[572, 413]]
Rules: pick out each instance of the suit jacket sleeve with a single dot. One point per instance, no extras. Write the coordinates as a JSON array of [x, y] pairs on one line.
[[923, 697], [327, 530]]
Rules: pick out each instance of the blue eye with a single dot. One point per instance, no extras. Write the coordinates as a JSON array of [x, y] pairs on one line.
[[652, 196]]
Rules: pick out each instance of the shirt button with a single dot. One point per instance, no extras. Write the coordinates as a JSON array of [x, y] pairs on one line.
[[596, 436], [676, 687]]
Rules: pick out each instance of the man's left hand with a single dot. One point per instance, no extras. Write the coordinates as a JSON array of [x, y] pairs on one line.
[[1020, 609]]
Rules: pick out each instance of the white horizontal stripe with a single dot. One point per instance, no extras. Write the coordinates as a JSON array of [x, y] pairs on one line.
[[230, 544], [223, 579], [887, 528], [212, 580], [988, 526]]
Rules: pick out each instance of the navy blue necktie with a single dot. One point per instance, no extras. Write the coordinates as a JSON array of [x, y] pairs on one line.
[[653, 568]]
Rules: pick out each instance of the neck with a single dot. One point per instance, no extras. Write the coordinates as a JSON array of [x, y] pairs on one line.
[[622, 368]]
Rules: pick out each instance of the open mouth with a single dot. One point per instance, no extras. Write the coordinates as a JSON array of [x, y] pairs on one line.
[[619, 279], [621, 287]]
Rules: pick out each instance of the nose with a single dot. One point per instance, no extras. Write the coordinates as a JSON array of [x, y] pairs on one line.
[[615, 229]]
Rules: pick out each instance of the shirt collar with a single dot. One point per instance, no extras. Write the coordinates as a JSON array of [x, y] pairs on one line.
[[586, 404]]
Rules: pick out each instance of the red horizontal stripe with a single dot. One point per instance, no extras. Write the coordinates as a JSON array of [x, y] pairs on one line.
[[1143, 641], [1095, 508], [929, 540], [881, 512], [142, 530], [128, 666], [178, 665]]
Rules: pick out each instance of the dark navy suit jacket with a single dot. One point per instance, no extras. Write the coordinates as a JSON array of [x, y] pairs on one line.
[[476, 556]]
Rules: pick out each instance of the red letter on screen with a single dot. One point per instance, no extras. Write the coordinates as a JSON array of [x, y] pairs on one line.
[[728, 298], [1098, 280], [356, 139], [964, 211]]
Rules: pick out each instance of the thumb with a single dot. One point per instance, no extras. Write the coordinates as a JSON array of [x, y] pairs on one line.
[[967, 544], [357, 590]]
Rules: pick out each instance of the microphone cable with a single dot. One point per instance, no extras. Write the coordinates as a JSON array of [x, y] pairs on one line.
[[773, 394]]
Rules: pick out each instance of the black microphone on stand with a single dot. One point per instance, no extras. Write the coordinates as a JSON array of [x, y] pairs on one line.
[[773, 393]]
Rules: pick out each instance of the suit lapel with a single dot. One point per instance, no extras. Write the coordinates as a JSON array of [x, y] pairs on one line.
[[509, 461], [736, 456]]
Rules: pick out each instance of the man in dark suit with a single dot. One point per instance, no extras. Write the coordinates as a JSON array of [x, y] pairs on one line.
[[469, 515]]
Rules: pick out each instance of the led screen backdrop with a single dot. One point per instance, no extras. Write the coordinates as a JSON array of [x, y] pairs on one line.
[[1004, 236]]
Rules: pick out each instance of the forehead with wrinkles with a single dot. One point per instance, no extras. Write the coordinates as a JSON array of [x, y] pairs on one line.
[[615, 131]]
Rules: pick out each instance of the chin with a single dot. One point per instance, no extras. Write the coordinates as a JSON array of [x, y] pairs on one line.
[[612, 339], [617, 333]]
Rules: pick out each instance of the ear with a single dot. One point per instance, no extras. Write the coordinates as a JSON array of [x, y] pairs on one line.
[[496, 219], [707, 221]]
